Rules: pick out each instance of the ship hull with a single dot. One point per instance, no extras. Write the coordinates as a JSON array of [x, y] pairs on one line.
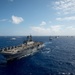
[[21, 54]]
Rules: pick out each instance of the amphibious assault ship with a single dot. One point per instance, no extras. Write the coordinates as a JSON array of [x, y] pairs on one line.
[[28, 47]]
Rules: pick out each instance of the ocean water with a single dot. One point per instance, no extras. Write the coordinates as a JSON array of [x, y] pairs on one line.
[[56, 58]]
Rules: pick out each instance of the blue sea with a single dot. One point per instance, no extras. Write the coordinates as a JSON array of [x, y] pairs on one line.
[[56, 58]]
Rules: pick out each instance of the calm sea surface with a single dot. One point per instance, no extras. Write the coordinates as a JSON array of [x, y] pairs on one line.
[[56, 58]]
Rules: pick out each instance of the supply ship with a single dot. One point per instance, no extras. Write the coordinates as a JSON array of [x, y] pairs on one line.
[[28, 47]]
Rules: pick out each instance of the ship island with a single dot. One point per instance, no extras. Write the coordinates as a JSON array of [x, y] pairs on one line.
[[27, 48]]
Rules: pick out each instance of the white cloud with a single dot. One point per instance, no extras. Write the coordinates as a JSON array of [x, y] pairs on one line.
[[40, 30], [65, 6], [43, 23], [53, 30], [56, 28], [66, 18], [17, 20], [14, 19]]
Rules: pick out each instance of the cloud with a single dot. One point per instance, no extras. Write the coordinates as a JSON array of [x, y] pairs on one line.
[[71, 18], [65, 6], [40, 30], [17, 20], [14, 19], [3, 20], [54, 30], [43, 23]]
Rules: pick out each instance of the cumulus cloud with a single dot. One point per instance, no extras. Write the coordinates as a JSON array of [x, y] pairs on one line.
[[47, 31], [65, 6], [54, 30], [43, 23], [40, 30], [17, 20], [71, 18]]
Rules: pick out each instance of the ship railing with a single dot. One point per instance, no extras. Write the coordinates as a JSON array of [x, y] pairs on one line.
[[2, 49], [20, 47], [11, 47], [8, 48]]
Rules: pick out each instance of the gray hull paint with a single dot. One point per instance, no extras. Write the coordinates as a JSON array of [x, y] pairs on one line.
[[23, 53]]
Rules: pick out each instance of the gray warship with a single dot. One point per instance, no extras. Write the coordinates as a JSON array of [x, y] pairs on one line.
[[28, 47]]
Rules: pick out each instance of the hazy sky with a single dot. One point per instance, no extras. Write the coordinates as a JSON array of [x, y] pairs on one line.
[[37, 17]]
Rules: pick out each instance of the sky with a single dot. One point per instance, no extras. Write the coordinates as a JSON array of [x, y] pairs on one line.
[[37, 17]]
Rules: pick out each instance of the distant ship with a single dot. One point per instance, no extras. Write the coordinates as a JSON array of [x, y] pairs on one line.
[[13, 38], [28, 47], [50, 38], [56, 36]]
